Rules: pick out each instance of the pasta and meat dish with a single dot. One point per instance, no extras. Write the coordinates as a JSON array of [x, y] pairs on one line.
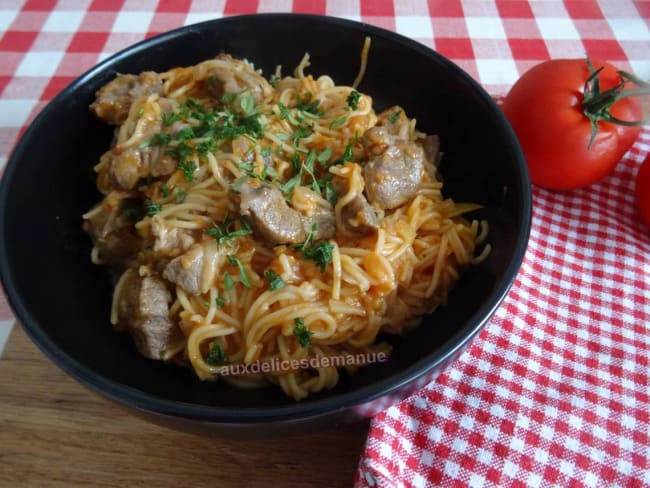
[[248, 219]]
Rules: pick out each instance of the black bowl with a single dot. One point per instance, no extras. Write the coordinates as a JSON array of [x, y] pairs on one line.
[[63, 301]]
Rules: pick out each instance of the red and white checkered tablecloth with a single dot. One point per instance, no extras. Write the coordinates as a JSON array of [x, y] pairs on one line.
[[555, 391]]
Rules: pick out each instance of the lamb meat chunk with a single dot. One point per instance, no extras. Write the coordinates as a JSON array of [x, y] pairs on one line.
[[271, 217], [325, 222], [393, 177], [111, 232], [127, 167], [168, 239], [113, 101], [185, 270], [359, 216], [143, 309], [234, 79]]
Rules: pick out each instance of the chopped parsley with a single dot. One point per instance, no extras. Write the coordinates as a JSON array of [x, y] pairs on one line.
[[180, 195], [275, 280], [228, 282], [159, 139], [243, 275], [320, 252], [225, 232], [164, 190], [151, 208], [219, 302], [338, 122], [216, 356], [306, 105], [187, 168], [393, 118], [353, 99], [302, 332]]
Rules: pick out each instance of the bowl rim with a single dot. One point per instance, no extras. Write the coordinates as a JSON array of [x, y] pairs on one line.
[[303, 410]]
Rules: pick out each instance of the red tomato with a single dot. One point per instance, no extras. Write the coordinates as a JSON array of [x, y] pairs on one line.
[[643, 190], [545, 108]]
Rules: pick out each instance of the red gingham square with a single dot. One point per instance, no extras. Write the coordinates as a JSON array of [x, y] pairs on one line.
[[528, 49], [84, 42], [4, 81], [309, 6], [40, 5], [514, 9], [445, 8], [234, 7], [56, 84], [174, 6], [455, 48], [604, 49], [377, 8], [17, 41], [583, 9], [106, 5]]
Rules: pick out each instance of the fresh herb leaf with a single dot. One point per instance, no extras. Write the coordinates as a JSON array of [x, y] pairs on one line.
[[330, 194], [219, 302], [159, 139], [301, 331], [164, 190], [353, 99], [266, 151], [247, 104], [243, 276], [152, 208], [275, 281], [393, 118], [188, 168], [307, 105], [180, 195], [184, 134], [228, 282], [325, 155], [224, 232], [338, 122], [321, 253], [216, 356]]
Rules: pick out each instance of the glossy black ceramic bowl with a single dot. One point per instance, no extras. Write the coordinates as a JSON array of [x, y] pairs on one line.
[[63, 301]]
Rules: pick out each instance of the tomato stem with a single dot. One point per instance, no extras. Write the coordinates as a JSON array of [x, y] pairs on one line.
[[596, 105]]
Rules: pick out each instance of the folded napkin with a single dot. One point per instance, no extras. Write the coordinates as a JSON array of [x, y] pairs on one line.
[[555, 390]]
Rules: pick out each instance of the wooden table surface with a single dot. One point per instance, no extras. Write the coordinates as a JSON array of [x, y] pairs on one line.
[[55, 432]]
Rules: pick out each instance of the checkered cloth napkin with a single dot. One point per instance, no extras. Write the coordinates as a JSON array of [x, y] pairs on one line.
[[555, 391]]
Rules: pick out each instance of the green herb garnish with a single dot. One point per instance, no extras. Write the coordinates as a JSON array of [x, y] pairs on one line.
[[301, 331], [275, 281], [243, 275], [353, 99], [216, 356], [151, 208]]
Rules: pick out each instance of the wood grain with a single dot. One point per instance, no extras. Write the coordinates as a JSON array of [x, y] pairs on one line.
[[54, 432]]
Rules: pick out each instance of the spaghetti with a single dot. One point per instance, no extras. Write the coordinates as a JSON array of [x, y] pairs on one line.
[[255, 221]]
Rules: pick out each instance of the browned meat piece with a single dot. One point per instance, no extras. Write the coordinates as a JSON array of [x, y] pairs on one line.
[[325, 222], [111, 232], [270, 215], [393, 177], [395, 121], [113, 101], [359, 216], [143, 309], [128, 167], [170, 240], [234, 78]]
